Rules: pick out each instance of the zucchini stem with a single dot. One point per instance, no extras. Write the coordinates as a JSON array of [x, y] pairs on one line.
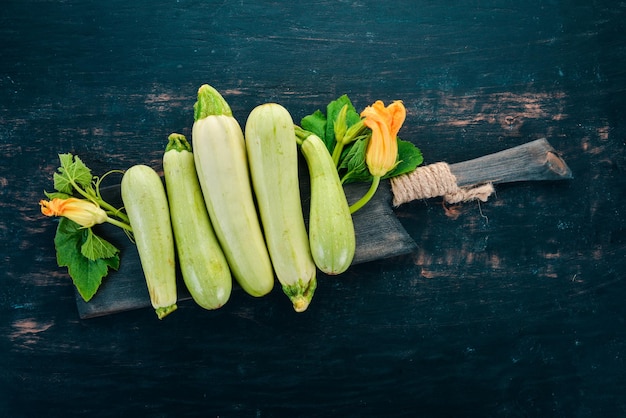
[[366, 198], [165, 311], [337, 153], [120, 224], [210, 102], [99, 200], [301, 134], [95, 197], [177, 142], [301, 293]]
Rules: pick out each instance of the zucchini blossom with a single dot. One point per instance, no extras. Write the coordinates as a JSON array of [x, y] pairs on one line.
[[83, 212], [385, 122], [381, 155]]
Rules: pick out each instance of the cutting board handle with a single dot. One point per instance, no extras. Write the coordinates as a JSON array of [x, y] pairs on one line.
[[474, 179]]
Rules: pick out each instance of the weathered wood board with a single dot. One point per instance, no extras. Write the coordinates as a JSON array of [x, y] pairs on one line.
[[379, 234]]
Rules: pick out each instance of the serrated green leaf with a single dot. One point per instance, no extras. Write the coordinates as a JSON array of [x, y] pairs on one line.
[[85, 273], [72, 170], [80, 172], [62, 183], [354, 163], [66, 159], [96, 247], [353, 155], [315, 123]]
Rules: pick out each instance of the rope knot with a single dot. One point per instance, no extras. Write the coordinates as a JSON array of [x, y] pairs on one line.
[[435, 180]]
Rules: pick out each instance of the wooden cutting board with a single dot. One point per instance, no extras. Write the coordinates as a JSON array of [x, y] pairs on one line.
[[379, 234]]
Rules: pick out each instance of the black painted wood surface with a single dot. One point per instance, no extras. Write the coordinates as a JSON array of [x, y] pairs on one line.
[[513, 307]]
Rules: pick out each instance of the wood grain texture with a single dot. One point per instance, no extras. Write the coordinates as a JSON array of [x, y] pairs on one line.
[[536, 160], [510, 307]]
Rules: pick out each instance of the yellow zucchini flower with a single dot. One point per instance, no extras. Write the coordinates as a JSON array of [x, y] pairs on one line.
[[83, 212], [385, 122]]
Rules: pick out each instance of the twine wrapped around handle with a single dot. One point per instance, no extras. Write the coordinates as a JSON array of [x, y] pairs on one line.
[[474, 179], [435, 180]]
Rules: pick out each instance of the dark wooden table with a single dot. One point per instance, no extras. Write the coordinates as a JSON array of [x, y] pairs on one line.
[[513, 307]]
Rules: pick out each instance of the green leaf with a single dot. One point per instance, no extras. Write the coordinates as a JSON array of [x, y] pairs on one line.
[[85, 273], [354, 163], [324, 125], [66, 159], [96, 247], [409, 157], [315, 123], [62, 183], [352, 116], [332, 111], [72, 170], [59, 195]]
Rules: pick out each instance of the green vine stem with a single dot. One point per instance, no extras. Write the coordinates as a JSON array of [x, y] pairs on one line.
[[366, 198]]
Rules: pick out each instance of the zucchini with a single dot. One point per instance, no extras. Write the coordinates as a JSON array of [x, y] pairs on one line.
[[331, 229], [273, 159], [146, 205], [202, 263], [222, 167]]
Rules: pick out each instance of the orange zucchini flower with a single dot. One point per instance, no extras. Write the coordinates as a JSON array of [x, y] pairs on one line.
[[385, 122], [83, 212]]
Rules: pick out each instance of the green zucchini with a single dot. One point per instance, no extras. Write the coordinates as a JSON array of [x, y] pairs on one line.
[[331, 229], [202, 263], [222, 167], [146, 205], [273, 159]]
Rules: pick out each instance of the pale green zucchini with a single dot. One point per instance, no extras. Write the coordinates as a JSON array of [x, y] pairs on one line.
[[146, 205], [331, 229], [273, 159], [202, 263], [222, 167]]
